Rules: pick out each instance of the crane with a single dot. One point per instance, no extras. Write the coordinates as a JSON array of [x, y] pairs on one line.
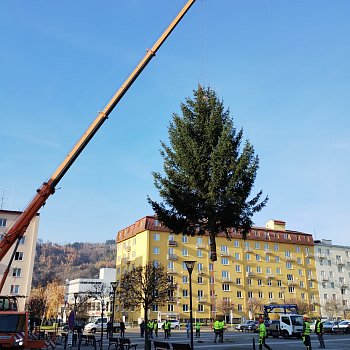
[[16, 232]]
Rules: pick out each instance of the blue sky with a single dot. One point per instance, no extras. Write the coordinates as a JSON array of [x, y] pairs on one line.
[[282, 67]]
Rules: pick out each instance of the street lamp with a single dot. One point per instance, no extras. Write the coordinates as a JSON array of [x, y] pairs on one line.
[[190, 266], [114, 287], [76, 294], [283, 290]]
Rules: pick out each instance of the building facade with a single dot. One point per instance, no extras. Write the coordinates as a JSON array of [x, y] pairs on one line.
[[19, 280], [89, 296], [333, 273], [273, 265]]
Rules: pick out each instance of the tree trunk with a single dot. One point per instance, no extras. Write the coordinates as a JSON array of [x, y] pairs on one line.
[[146, 328], [213, 255]]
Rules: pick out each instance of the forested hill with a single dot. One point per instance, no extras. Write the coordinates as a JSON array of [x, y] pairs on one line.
[[71, 261]]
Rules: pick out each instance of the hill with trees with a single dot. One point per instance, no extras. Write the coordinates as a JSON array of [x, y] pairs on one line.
[[55, 262]]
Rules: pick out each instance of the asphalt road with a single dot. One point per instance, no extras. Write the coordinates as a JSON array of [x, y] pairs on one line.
[[232, 340]]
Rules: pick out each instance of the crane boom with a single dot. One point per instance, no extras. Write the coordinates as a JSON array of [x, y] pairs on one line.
[[48, 188]]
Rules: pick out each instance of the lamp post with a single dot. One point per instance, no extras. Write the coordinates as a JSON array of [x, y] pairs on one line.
[[114, 287], [283, 290], [190, 266]]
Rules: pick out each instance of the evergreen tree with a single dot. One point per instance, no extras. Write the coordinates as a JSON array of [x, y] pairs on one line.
[[208, 174]]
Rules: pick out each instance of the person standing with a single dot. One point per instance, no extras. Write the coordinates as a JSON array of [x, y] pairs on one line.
[[142, 328], [188, 328], [198, 329], [319, 332], [150, 329], [222, 329], [155, 328], [166, 329], [122, 329], [262, 335], [217, 328], [306, 333]]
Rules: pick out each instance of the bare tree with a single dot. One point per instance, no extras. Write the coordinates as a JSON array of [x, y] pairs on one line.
[[36, 305], [302, 305], [144, 287], [225, 306], [253, 306], [333, 307]]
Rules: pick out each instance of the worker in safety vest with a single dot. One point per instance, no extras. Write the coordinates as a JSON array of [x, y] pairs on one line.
[[306, 333], [319, 332], [198, 329], [167, 325], [150, 329], [262, 334], [217, 330]]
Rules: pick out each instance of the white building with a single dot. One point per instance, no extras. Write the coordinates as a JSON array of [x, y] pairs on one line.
[[333, 274], [80, 289], [19, 280]]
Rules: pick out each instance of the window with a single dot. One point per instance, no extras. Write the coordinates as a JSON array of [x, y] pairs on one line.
[[250, 295], [291, 289], [269, 283], [268, 270], [14, 289], [225, 274], [236, 244], [267, 258], [270, 295], [224, 249], [199, 240], [240, 307], [278, 271], [260, 282], [257, 257], [239, 294], [225, 287], [156, 236], [288, 265], [156, 250], [238, 268], [185, 293], [297, 249], [257, 245], [184, 279], [258, 269], [249, 282], [22, 240], [211, 267], [200, 280], [200, 293], [199, 253], [238, 281], [247, 256], [279, 283], [184, 252], [184, 239], [200, 308], [224, 261], [275, 247], [3, 222], [155, 307], [170, 265], [237, 256], [299, 261], [200, 267], [19, 256], [277, 259], [260, 295], [170, 307], [211, 280], [16, 272]]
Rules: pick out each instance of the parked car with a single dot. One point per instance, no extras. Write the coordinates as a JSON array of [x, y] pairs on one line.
[[249, 325], [174, 324], [328, 325], [342, 327]]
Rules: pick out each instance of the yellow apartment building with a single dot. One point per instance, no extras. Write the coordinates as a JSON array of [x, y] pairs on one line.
[[273, 265]]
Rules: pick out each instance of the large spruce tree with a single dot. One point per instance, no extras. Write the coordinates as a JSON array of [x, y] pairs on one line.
[[209, 174]]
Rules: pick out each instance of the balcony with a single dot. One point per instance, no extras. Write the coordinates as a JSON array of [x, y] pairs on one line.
[[200, 245], [309, 255], [248, 250], [270, 275], [289, 258], [344, 284], [171, 270], [172, 243], [126, 260], [325, 278], [321, 256], [311, 278], [172, 257], [292, 283], [227, 254], [226, 279], [172, 300], [340, 262], [202, 300], [128, 248], [268, 251], [201, 271], [249, 274]]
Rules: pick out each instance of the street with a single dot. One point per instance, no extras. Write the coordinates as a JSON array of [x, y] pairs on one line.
[[232, 340]]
